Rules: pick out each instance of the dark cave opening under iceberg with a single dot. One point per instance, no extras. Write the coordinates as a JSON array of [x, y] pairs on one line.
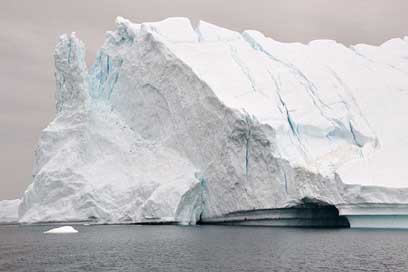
[[309, 213]]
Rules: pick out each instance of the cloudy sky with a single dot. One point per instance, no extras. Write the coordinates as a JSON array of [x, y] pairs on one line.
[[29, 30]]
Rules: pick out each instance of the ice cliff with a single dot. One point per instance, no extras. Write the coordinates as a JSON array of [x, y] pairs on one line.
[[180, 124]]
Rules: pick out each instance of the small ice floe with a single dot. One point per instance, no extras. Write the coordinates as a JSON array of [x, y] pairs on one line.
[[64, 229]]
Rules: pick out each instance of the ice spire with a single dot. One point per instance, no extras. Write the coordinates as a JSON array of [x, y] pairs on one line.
[[71, 73]]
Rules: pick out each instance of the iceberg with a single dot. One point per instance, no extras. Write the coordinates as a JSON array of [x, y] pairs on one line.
[[175, 124], [9, 211], [61, 230]]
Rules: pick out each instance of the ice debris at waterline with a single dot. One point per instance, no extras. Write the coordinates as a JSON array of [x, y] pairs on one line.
[[180, 125], [64, 229]]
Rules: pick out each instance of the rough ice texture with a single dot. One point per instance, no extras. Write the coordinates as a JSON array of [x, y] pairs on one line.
[[175, 124], [9, 211]]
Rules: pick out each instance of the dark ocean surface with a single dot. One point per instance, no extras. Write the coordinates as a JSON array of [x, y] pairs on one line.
[[202, 248]]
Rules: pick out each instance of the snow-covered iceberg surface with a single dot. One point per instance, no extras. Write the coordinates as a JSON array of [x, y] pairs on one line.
[[9, 211], [61, 230], [176, 124]]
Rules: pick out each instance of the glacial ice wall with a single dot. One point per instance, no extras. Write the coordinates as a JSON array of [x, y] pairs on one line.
[[176, 124]]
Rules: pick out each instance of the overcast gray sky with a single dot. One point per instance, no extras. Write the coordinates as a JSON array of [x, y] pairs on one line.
[[29, 30]]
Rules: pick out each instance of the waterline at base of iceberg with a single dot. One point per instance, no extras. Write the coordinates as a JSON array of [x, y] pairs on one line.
[[311, 216], [378, 221], [375, 215]]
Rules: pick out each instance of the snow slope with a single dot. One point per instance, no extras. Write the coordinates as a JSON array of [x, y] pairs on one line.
[[175, 124]]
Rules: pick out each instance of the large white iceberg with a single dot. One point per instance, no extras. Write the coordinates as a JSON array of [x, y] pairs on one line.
[[176, 124]]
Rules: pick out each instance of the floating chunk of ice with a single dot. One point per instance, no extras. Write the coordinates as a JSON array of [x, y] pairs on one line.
[[64, 229]]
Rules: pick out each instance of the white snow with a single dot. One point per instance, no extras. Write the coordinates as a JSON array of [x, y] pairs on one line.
[[174, 124], [59, 230], [9, 210]]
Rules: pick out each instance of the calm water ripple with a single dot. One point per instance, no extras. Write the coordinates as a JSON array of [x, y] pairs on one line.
[[202, 248]]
